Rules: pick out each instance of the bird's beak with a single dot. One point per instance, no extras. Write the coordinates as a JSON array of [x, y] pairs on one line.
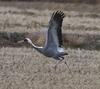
[[21, 41]]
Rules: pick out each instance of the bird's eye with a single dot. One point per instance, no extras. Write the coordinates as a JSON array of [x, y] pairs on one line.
[[25, 40]]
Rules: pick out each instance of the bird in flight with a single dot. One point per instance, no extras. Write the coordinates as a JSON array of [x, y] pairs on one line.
[[53, 45]]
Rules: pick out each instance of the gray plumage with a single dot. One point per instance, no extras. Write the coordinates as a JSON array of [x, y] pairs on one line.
[[53, 45]]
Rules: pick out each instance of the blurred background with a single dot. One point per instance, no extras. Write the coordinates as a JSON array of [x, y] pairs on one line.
[[29, 18], [61, 1]]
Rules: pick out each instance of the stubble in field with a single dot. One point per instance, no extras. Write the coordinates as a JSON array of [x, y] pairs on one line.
[[24, 68]]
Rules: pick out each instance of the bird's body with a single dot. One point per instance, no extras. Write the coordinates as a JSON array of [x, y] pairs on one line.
[[50, 51], [53, 53], [53, 45]]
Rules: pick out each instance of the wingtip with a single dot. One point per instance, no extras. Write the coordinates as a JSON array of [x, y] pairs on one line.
[[59, 12]]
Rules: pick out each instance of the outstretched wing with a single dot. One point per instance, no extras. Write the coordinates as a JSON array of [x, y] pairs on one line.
[[54, 34]]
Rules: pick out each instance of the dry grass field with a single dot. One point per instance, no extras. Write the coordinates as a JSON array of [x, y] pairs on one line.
[[25, 68]]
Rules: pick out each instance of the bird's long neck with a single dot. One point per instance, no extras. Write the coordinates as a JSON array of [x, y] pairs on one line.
[[40, 49]]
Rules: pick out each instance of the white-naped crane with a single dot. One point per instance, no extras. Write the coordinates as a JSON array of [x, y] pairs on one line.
[[53, 45]]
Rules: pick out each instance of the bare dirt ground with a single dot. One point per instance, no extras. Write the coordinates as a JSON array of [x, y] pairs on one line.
[[24, 68]]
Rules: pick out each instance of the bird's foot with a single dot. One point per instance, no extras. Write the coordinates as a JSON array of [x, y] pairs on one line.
[[68, 68]]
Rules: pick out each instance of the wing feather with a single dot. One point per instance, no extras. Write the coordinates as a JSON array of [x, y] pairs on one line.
[[54, 33]]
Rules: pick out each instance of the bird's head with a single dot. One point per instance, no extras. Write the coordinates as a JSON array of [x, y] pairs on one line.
[[25, 40]]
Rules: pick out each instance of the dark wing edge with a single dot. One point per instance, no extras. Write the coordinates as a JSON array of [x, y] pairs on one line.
[[58, 18]]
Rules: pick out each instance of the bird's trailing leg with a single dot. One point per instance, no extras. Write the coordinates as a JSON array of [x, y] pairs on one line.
[[60, 60], [67, 66]]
